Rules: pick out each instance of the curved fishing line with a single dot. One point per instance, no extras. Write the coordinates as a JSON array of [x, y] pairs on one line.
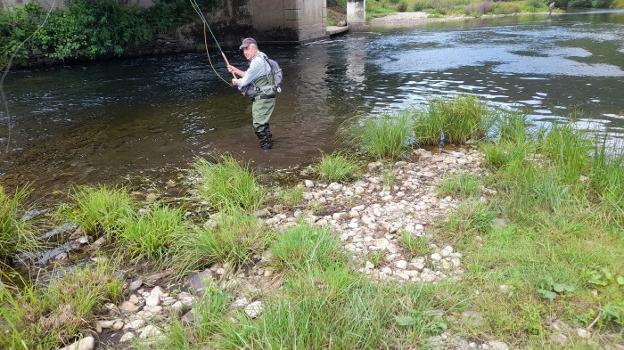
[[8, 68], [197, 10]]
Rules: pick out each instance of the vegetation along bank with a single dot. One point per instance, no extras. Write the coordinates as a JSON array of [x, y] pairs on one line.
[[509, 241]]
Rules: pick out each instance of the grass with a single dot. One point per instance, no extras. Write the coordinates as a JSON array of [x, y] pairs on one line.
[[291, 197], [561, 250], [453, 121], [99, 209], [386, 136], [464, 185], [153, 235], [38, 317], [235, 238], [227, 185], [414, 246], [15, 235], [337, 167]]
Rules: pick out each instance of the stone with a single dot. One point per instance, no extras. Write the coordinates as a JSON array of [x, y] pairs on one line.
[[436, 257], [156, 309], [136, 324], [126, 337], [136, 284], [197, 282], [254, 309], [498, 345], [240, 302], [134, 299], [188, 318], [104, 324], [308, 183], [149, 332], [374, 166], [178, 307], [117, 325], [583, 333], [154, 297], [128, 307], [382, 243], [83, 240], [86, 343], [401, 264], [559, 338]]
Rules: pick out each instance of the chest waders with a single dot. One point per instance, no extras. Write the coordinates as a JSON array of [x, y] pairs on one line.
[[261, 109]]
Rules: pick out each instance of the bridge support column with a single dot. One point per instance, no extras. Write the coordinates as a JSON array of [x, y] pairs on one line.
[[356, 14], [289, 20]]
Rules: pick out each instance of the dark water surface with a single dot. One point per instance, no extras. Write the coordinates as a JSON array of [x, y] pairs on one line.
[[104, 122]]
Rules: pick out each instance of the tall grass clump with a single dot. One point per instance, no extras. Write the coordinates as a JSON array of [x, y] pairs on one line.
[[337, 167], [387, 136], [231, 238], [568, 149], [15, 235], [454, 121], [228, 185], [305, 248], [607, 181], [99, 208], [38, 317], [152, 235]]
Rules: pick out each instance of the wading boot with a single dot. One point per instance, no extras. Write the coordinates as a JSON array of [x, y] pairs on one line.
[[264, 136]]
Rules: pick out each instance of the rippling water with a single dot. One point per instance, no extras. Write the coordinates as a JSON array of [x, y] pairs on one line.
[[105, 121]]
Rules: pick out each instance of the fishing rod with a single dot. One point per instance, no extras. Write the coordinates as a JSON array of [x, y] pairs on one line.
[[197, 9]]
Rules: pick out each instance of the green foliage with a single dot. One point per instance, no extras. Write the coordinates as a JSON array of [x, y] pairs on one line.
[[37, 317], [228, 186], [385, 136], [463, 185], [305, 247], [99, 208], [337, 167], [151, 235], [233, 238], [291, 197], [415, 246], [457, 120], [15, 235], [568, 149], [603, 277], [549, 289], [580, 3], [87, 29]]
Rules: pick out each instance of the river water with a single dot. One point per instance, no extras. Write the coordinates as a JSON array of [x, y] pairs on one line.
[[111, 121]]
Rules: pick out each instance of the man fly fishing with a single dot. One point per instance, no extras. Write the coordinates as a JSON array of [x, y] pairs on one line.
[[257, 82]]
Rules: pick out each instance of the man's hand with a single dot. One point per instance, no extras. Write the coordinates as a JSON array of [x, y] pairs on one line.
[[231, 69], [235, 82]]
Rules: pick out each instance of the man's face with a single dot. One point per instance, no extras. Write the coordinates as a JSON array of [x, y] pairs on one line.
[[250, 51]]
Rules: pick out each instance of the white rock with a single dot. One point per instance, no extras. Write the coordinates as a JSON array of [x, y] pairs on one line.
[[436, 257], [154, 297], [126, 337], [369, 265], [386, 270], [153, 309], [134, 299], [240, 302], [86, 343], [128, 307], [136, 284], [382, 243], [136, 324], [308, 183], [446, 251], [254, 309], [498, 345], [149, 332], [583, 333], [401, 264], [118, 325]]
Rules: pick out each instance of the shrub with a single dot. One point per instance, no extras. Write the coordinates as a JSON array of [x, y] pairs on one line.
[[228, 186], [402, 6], [580, 4], [336, 167], [152, 235], [99, 208], [37, 317], [15, 235]]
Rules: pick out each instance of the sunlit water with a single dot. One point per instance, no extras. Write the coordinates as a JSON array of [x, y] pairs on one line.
[[146, 116]]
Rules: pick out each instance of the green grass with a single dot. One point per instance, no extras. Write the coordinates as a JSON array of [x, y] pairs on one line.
[[455, 121], [227, 185], [291, 197], [386, 136], [560, 236], [37, 317], [464, 185], [337, 167], [153, 235], [305, 248], [99, 209], [235, 238], [414, 246], [15, 235]]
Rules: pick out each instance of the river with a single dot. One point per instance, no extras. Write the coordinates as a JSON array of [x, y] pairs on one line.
[[146, 117]]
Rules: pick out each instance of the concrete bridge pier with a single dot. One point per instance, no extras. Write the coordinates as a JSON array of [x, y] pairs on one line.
[[356, 14]]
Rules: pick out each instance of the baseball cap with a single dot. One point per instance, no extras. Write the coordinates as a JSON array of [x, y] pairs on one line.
[[247, 42]]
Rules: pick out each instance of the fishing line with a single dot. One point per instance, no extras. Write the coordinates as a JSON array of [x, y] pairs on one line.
[[6, 71], [197, 9]]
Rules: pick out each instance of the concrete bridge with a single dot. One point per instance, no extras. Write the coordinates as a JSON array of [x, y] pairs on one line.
[[270, 20]]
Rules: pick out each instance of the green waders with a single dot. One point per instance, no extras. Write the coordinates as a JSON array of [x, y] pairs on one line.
[[261, 109]]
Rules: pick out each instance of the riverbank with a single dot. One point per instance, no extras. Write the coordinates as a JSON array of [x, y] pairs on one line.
[[510, 242]]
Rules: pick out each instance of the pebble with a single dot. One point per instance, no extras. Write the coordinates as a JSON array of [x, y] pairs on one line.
[[136, 284], [128, 307], [154, 297], [149, 332], [254, 309], [126, 337], [86, 343], [136, 324]]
